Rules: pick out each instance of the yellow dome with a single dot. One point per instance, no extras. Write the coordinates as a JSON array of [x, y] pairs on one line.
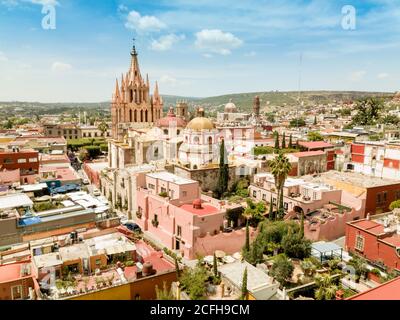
[[200, 123]]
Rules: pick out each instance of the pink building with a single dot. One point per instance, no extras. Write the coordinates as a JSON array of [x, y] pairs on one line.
[[172, 211], [326, 209]]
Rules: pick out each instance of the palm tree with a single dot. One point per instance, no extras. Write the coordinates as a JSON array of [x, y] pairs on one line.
[[326, 289], [280, 168]]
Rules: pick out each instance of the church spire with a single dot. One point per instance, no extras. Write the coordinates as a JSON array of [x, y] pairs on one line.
[[156, 94], [135, 71], [117, 93]]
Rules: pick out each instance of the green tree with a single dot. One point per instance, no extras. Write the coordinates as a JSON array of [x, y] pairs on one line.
[[164, 293], [245, 291], [394, 205], [276, 140], [177, 270], [284, 141], [215, 266], [290, 142], [271, 214], [282, 269], [297, 123], [247, 243], [326, 289], [103, 128], [223, 174], [315, 121], [295, 245], [368, 111], [315, 136], [193, 280], [280, 168]]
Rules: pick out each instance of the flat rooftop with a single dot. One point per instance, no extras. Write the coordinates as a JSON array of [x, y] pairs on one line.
[[206, 209], [15, 201], [256, 278], [353, 178], [166, 176]]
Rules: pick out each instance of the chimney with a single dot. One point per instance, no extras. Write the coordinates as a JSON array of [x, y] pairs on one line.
[[339, 295], [197, 204]]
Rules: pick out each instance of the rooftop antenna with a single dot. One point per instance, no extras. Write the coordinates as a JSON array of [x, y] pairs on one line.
[[299, 90]]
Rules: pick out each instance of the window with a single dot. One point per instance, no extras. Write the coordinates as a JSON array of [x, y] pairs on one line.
[[98, 262], [359, 243], [254, 193], [163, 190], [33, 160], [8, 161], [16, 292], [184, 193], [179, 231], [156, 218], [151, 186], [21, 160], [285, 206], [264, 197]]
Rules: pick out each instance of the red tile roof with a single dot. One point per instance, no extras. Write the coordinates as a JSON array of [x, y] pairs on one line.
[[387, 291], [393, 240], [371, 226], [307, 154], [315, 144]]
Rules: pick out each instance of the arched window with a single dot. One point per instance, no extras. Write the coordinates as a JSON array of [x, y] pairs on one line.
[[196, 139], [135, 116], [146, 116], [165, 131], [141, 115], [210, 140], [130, 115]]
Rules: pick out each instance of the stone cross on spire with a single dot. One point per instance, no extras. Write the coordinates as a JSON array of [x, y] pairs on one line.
[[133, 52]]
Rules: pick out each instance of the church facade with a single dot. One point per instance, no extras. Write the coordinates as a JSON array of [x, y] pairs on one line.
[[132, 104]]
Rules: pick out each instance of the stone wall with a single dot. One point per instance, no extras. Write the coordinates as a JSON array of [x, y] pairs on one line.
[[227, 242], [207, 178]]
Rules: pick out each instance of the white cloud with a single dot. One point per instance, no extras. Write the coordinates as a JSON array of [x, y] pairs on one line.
[[383, 75], [166, 42], [166, 79], [217, 41], [14, 3], [60, 67], [357, 75], [3, 57], [44, 2], [207, 55], [250, 54], [135, 21]]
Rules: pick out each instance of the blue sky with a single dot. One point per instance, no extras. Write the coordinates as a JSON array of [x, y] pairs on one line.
[[196, 48]]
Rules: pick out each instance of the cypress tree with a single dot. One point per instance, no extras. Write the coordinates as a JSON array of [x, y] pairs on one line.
[[276, 140], [247, 244], [215, 266], [223, 175], [244, 285], [177, 270], [302, 224], [284, 141], [271, 210], [290, 142], [281, 210], [315, 120]]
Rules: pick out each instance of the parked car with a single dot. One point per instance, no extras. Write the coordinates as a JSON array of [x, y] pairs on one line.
[[85, 181], [132, 226], [96, 192]]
